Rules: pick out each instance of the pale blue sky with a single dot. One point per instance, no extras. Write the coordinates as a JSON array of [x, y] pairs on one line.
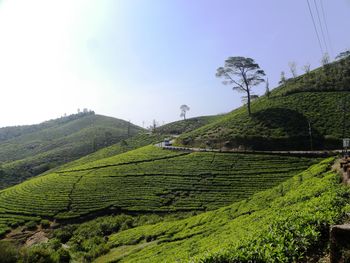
[[141, 59]]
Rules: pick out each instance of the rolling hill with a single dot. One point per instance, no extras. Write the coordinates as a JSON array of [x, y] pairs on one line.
[[315, 102], [182, 126], [239, 207], [287, 223], [146, 180], [26, 151]]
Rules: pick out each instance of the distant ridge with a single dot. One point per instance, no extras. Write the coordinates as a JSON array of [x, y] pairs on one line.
[[29, 150]]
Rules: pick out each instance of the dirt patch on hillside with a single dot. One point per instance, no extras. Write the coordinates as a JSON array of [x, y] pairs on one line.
[[37, 238]]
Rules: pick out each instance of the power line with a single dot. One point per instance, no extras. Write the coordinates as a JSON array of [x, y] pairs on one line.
[[313, 21], [321, 27], [327, 31]]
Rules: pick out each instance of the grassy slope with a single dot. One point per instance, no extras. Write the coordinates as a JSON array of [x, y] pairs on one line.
[[281, 224], [282, 121], [182, 126], [148, 179], [30, 150], [137, 141]]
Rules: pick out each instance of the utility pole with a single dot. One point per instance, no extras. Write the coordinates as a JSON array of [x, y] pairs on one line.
[[345, 140], [310, 134], [344, 110]]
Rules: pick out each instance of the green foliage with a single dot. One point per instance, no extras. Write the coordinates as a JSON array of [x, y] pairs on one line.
[[31, 225], [38, 254], [89, 240], [26, 151], [179, 127], [148, 179], [65, 233], [45, 223], [267, 227], [330, 77], [137, 141], [8, 252], [281, 122], [63, 255]]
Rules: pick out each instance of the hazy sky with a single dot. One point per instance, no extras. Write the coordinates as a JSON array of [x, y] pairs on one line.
[[141, 59]]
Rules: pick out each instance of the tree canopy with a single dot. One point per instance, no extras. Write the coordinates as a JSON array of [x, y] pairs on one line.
[[184, 108], [242, 74]]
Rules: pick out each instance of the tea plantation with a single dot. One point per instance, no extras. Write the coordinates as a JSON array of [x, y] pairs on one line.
[[179, 127], [287, 223], [283, 120], [145, 180]]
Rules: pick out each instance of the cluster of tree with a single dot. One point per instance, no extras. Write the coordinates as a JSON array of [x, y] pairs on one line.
[[85, 111], [325, 60], [333, 76], [242, 74]]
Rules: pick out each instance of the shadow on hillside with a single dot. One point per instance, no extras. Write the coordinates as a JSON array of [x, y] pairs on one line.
[[293, 124]]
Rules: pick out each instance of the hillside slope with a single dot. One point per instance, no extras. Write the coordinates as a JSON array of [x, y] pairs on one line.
[[312, 102], [182, 126], [137, 141], [287, 223], [145, 180], [30, 150]]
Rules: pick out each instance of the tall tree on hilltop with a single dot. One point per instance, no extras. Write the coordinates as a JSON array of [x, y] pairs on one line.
[[325, 60], [267, 89], [306, 68], [283, 78], [184, 108], [243, 73], [293, 68]]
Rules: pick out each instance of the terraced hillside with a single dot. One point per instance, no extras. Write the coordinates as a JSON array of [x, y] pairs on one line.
[[288, 223], [182, 126], [148, 179], [283, 120], [26, 151], [137, 141]]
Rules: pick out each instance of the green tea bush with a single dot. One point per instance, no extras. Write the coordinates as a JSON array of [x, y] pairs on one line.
[[37, 254], [45, 223], [31, 225], [8, 252]]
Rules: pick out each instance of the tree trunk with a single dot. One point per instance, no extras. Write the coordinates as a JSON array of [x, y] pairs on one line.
[[248, 102]]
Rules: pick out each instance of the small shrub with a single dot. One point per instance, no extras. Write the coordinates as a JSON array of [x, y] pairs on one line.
[[65, 233], [64, 256], [31, 225], [14, 224], [37, 255], [45, 223]]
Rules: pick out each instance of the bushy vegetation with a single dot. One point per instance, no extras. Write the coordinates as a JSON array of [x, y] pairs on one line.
[[87, 241], [145, 180], [79, 242], [42, 253], [187, 125], [282, 120], [287, 223], [331, 77], [31, 150], [140, 140]]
